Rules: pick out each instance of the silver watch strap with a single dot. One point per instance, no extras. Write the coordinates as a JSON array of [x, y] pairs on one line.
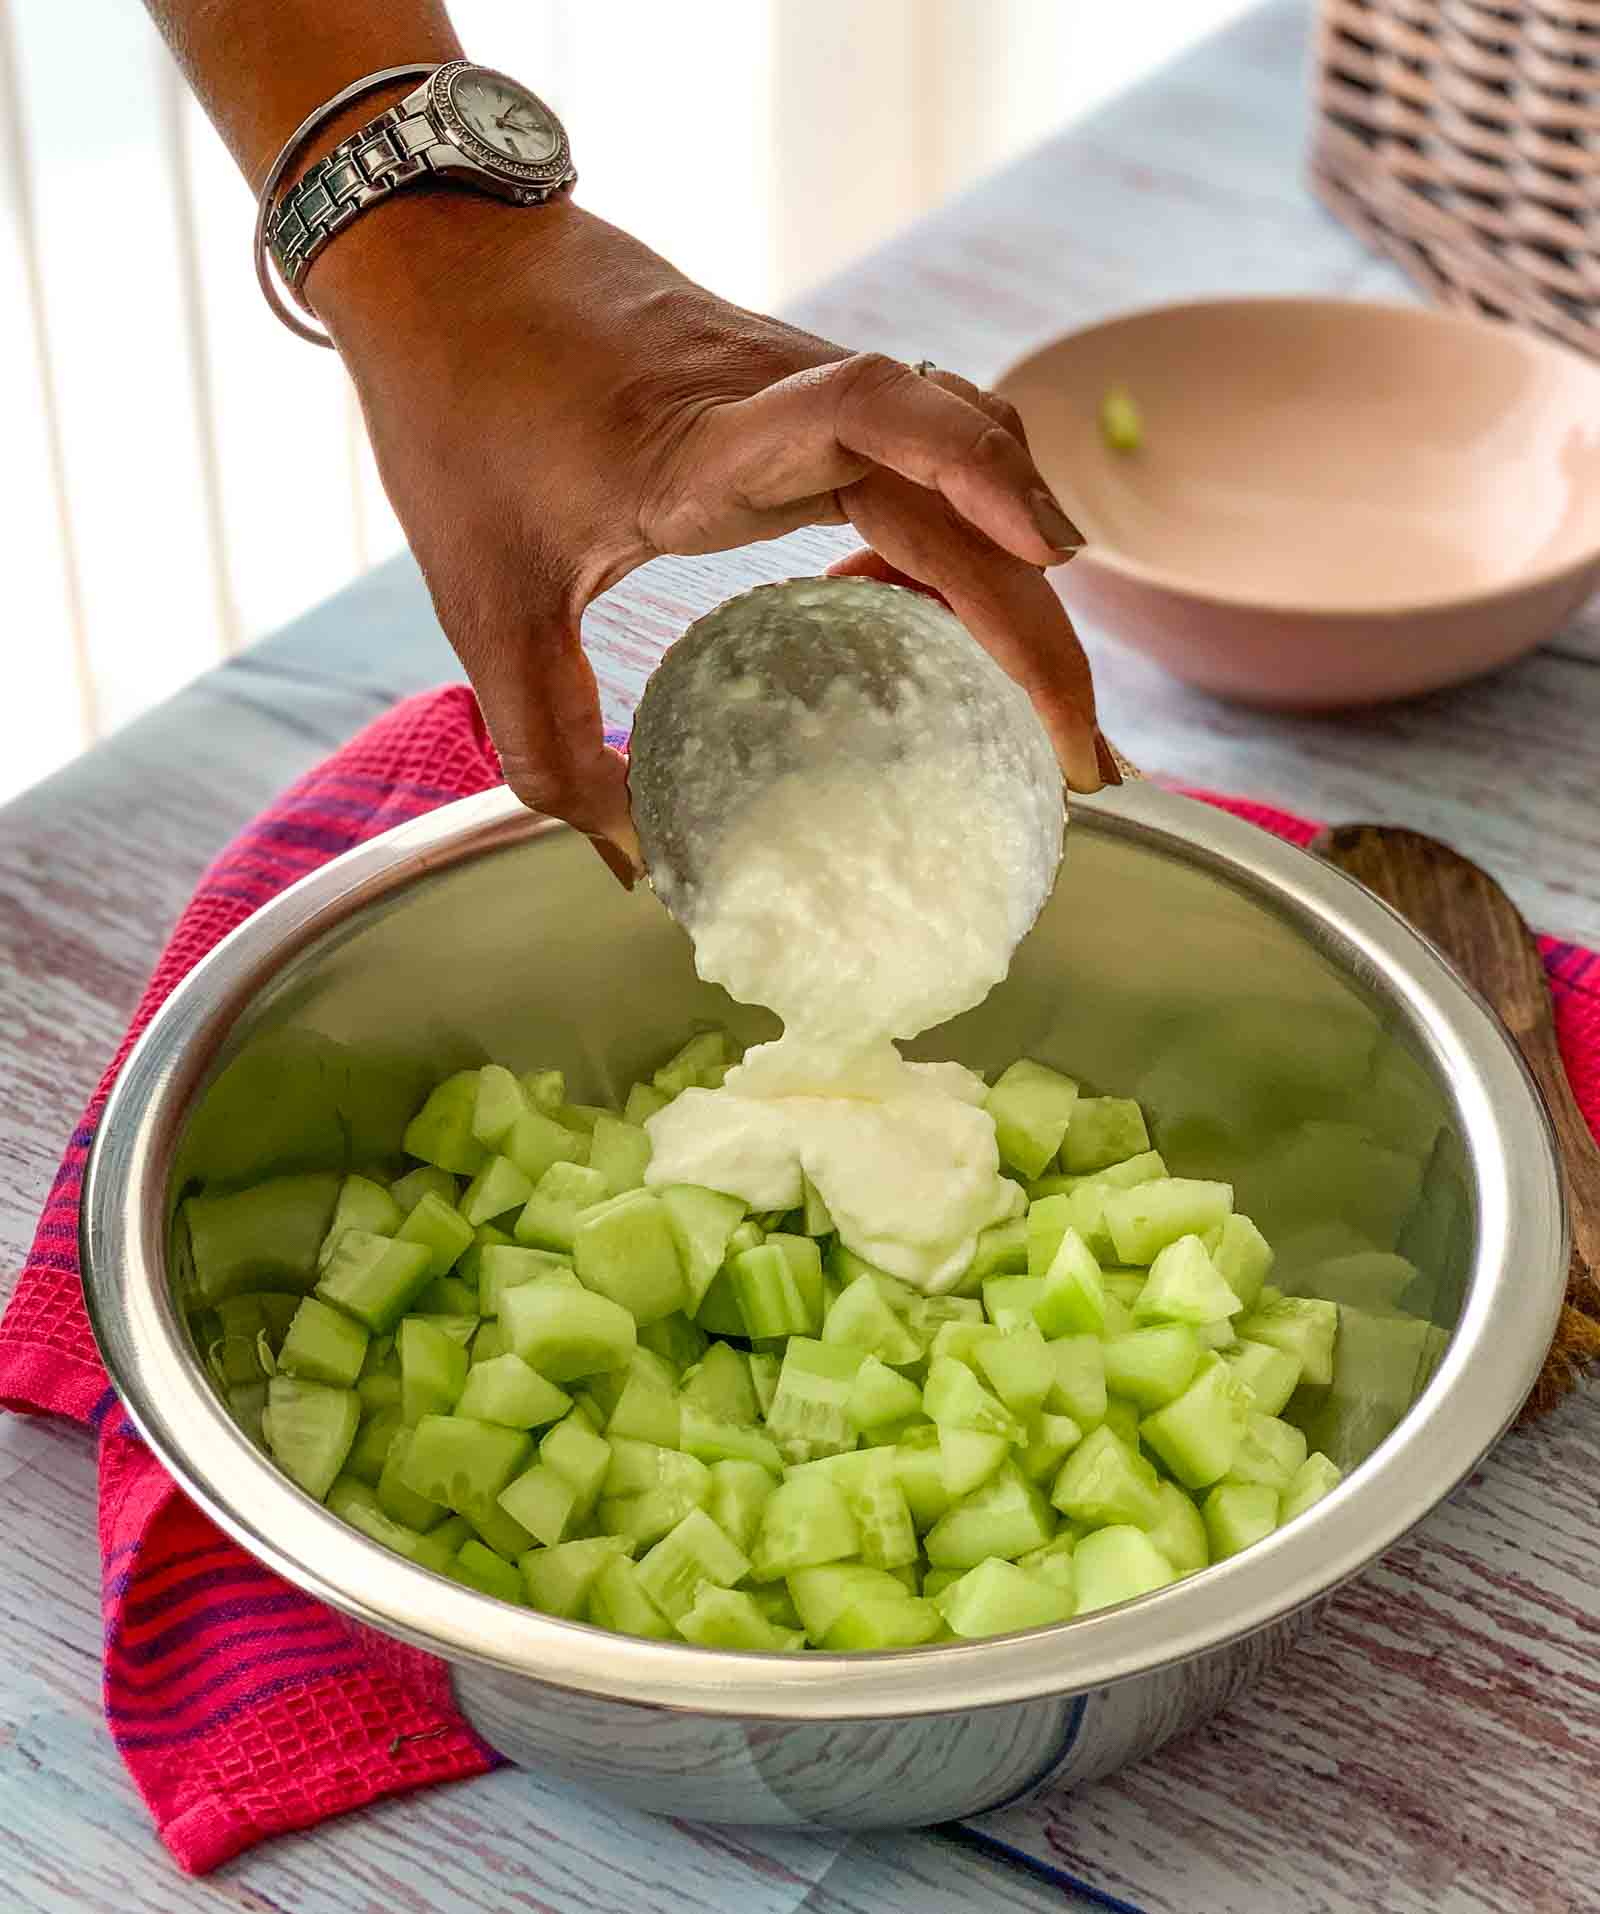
[[362, 169]]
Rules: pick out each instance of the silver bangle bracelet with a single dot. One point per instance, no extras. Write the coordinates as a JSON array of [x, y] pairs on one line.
[[286, 153]]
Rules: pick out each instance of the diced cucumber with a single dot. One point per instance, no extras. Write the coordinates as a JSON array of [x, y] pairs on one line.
[[379, 1391], [646, 1409], [1145, 1168], [692, 1065], [1106, 1481], [702, 1222], [884, 1623], [644, 1101], [1314, 1479], [1079, 1386], [310, 1428], [1124, 1284], [544, 1502], [1270, 1374], [409, 1190], [323, 1345], [504, 1266], [625, 1250], [806, 1522], [620, 1151], [371, 1447], [919, 1468], [618, 1601], [400, 1502], [537, 1142], [1031, 1106], [580, 1118], [882, 1515], [1073, 1299], [815, 1220], [878, 1395], [768, 1297], [714, 1439], [1051, 1439], [1198, 1435], [560, 1196], [1122, 1419], [1151, 1366], [805, 1266], [566, 1332], [1184, 1286], [1179, 1532], [1272, 1452], [694, 1552], [435, 1550], [1115, 1564], [545, 1089], [444, 1232], [362, 1205], [1004, 1518], [1019, 1368], [441, 1132], [265, 1237], [448, 1296], [1048, 1220], [1008, 1301], [967, 1458], [721, 1386], [998, 1598], [1142, 1221], [822, 1595], [810, 1413], [461, 1463], [460, 1329], [1002, 1251], [496, 1530], [557, 1580], [500, 1100], [953, 1395], [482, 1569], [469, 1269], [1243, 1258], [739, 1492], [499, 1186], [1301, 1326], [433, 1370], [1102, 1131], [1238, 1514], [862, 1318], [677, 1341]]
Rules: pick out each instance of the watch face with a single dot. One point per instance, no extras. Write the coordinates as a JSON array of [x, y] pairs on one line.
[[504, 123]]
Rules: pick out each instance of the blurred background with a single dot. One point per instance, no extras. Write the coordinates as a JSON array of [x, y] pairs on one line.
[[180, 475]]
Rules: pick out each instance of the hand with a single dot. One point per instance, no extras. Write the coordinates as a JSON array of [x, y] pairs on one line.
[[552, 405]]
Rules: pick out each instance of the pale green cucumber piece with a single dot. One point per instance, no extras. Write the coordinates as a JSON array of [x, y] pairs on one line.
[[676, 1340], [1072, 1300], [1002, 1251], [694, 1552], [953, 1395], [1238, 1514], [499, 1101], [1032, 1107], [349, 1493], [959, 1341], [746, 1235], [1269, 1295], [1180, 1532], [433, 1370], [1079, 1385], [581, 1457], [1184, 1287], [721, 1386], [878, 1395], [692, 1065], [765, 1367], [1102, 1131], [460, 1329], [435, 1550], [636, 1468], [398, 1500], [1124, 1284], [544, 1502], [702, 1223], [815, 1220], [496, 1530], [1053, 1560], [646, 1409], [469, 1269], [448, 1296], [739, 1492], [376, 1279], [1198, 1435], [566, 1332], [1272, 1452], [810, 1412], [498, 1187], [1144, 1168], [480, 1568], [919, 1468], [379, 1391], [310, 1429], [462, 1463], [1106, 1481], [1271, 1375], [1050, 1440], [884, 1623], [1301, 1326], [862, 1318], [626, 1252], [822, 1595], [1315, 1477], [362, 1205], [557, 1581], [1008, 1300], [719, 1312], [713, 1439], [371, 1447], [1004, 1518], [1115, 1564], [426, 1180], [580, 1119], [256, 1313], [536, 1143], [1243, 1257], [1142, 1221], [323, 1345], [998, 1598], [1081, 1209], [643, 1519], [260, 1238], [488, 1345], [620, 1151], [806, 1522], [805, 1265], [936, 1580], [503, 1266], [445, 1233], [731, 1619], [1153, 1365], [545, 1089], [1019, 1368], [768, 1297], [644, 1101], [967, 1458], [882, 1514], [441, 1131], [617, 1600]]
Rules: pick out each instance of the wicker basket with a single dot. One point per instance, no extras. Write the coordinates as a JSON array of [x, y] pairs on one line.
[[1463, 138]]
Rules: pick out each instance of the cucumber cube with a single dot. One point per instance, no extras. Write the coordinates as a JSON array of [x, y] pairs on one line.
[[544, 1502], [1073, 1299], [499, 1186], [766, 1293], [1270, 1374], [998, 1598], [371, 1447], [1144, 1220], [677, 1341], [878, 1395], [721, 1385], [1106, 1481], [266, 1237], [644, 1101], [1116, 1564], [480, 1568], [503, 1266], [620, 1152], [1145, 1168], [919, 1468], [1152, 1366], [397, 1499], [967, 1458], [536, 1142], [1243, 1257], [1031, 1106], [433, 1370], [1122, 1419], [739, 1492], [626, 1251], [810, 1413], [310, 1428], [441, 1131], [862, 1318], [1008, 1301], [1004, 1518], [1079, 1386], [409, 1190], [1237, 1514], [805, 1266], [764, 1370], [448, 1296], [379, 1391], [953, 1395], [805, 1523], [702, 1222], [822, 1595], [445, 1233], [557, 1581], [1184, 1286], [375, 1278], [815, 1219], [712, 1439], [560, 1197], [1019, 1368], [362, 1205], [1002, 1251], [545, 1089], [694, 1063], [564, 1331], [1180, 1533], [323, 1345], [1302, 1326], [1102, 1131], [882, 1515], [500, 1100], [1051, 1439], [1198, 1435], [1314, 1479], [618, 1601], [646, 1409], [1048, 1220], [884, 1623], [1272, 1452], [461, 1463], [730, 1618], [496, 1530], [695, 1552]]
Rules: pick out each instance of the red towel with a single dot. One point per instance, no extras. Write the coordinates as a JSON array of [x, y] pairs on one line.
[[242, 1707]]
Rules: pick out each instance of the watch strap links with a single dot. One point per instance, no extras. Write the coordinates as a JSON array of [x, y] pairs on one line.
[[362, 169]]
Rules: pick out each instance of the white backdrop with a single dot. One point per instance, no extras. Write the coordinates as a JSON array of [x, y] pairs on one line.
[[177, 475]]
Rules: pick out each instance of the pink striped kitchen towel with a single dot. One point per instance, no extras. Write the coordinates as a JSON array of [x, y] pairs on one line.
[[242, 1707]]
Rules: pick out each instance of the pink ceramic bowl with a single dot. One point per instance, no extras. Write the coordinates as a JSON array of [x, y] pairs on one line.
[[1332, 503]]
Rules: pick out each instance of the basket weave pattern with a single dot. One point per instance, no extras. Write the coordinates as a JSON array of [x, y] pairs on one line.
[[1463, 139]]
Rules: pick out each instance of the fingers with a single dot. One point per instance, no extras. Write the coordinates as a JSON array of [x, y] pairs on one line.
[[1007, 605], [825, 428]]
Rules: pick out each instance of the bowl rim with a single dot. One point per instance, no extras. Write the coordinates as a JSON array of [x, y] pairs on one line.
[[1507, 1320], [1108, 558]]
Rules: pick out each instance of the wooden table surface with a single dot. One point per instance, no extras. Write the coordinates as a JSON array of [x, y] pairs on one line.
[[1435, 1745]]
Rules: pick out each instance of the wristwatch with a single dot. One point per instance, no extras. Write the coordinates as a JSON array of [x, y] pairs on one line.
[[466, 125]]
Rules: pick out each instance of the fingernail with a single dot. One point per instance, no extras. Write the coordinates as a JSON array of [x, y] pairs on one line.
[[1057, 530], [1106, 758], [1080, 762]]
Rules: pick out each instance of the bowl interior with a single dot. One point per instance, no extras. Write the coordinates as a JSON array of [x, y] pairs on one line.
[[1322, 455]]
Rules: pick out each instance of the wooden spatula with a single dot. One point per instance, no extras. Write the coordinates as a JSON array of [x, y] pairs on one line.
[[1466, 913]]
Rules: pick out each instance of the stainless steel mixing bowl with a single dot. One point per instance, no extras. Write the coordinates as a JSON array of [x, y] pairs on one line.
[[1276, 1020]]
